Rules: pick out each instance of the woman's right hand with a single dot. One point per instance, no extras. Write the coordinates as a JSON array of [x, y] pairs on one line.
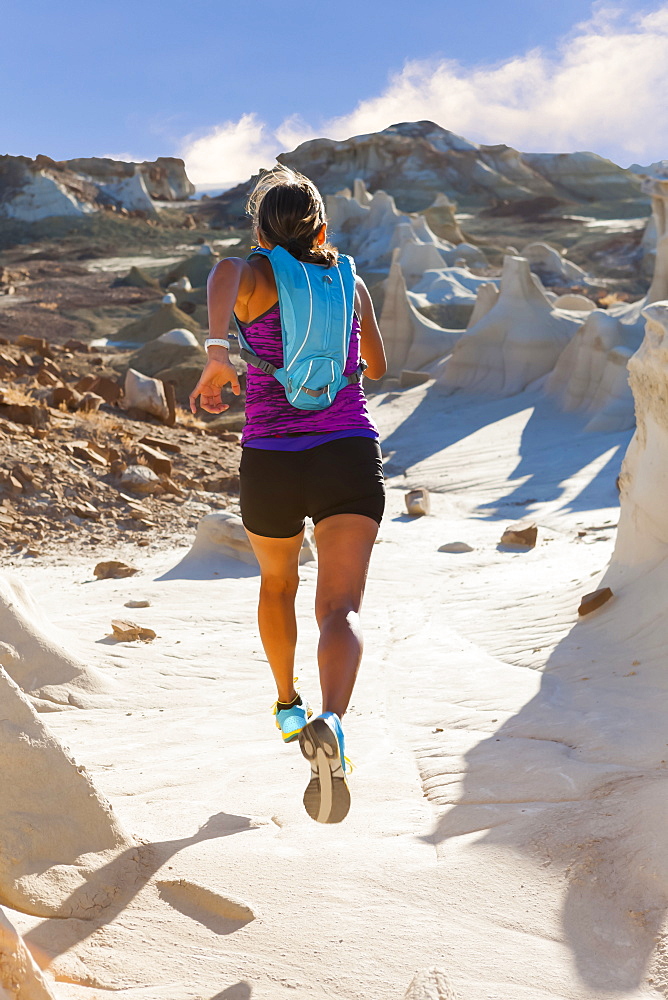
[[215, 376]]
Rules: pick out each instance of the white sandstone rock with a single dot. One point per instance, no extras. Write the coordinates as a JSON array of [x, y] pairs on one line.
[[515, 343], [130, 193], [146, 394], [182, 338], [222, 535], [549, 263], [642, 537], [574, 302], [590, 374], [658, 189], [43, 196], [411, 340], [55, 829], [32, 653], [169, 299], [454, 285], [486, 298], [181, 284], [430, 984], [20, 978]]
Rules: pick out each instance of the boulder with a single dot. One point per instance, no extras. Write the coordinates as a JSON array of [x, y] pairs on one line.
[[179, 338], [145, 394], [20, 978], [516, 342], [418, 503], [57, 833], [113, 569], [522, 535], [140, 479], [222, 535], [169, 299]]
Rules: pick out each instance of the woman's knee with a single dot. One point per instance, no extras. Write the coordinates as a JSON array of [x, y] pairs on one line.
[[279, 585], [342, 611]]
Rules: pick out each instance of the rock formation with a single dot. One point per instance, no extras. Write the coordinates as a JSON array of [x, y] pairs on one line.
[[516, 342], [416, 161], [370, 227], [20, 979], [165, 178], [33, 657], [590, 374], [551, 267], [56, 831], [411, 340], [31, 190], [220, 537], [642, 538], [658, 189]]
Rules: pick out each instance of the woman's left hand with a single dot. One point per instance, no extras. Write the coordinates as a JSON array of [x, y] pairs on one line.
[[216, 375]]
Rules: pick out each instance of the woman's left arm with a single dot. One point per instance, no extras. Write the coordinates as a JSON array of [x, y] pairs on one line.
[[371, 343]]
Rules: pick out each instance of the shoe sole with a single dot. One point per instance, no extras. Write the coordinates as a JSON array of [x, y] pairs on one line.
[[327, 797]]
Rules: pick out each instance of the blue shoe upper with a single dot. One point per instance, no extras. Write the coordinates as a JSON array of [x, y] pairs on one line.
[[291, 720], [334, 724]]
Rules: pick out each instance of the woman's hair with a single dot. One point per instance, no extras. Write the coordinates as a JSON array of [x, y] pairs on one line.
[[287, 210]]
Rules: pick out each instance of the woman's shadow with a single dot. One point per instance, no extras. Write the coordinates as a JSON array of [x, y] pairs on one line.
[[123, 878]]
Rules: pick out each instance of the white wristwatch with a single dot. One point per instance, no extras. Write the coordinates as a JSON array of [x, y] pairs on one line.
[[216, 342]]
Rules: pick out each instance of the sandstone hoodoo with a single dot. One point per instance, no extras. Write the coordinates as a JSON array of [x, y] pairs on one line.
[[519, 339]]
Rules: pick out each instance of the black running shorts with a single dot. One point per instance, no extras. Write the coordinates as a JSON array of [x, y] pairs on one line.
[[280, 488]]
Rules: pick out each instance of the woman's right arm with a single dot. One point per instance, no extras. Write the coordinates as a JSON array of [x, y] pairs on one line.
[[231, 281]]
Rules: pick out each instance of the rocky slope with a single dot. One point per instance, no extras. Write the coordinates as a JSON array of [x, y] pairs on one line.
[[416, 161], [32, 190]]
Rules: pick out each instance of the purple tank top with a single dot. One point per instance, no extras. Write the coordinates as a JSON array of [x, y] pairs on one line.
[[268, 413]]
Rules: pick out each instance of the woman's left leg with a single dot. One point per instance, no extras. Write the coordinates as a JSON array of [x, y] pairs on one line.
[[345, 543]]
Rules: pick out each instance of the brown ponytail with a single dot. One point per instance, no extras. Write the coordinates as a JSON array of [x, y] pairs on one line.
[[287, 210]]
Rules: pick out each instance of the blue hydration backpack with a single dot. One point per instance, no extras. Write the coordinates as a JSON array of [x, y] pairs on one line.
[[316, 305]]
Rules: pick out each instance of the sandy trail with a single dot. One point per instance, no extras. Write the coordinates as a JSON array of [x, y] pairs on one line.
[[503, 875]]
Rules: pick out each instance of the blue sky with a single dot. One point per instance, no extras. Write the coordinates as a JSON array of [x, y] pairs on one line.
[[230, 84]]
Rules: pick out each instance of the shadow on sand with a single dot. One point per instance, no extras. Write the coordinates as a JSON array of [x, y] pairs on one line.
[[127, 875], [440, 421], [577, 782]]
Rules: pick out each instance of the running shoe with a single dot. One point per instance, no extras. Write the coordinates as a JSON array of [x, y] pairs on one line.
[[327, 797], [292, 720]]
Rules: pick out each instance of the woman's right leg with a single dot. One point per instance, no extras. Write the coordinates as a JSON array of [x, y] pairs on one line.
[[279, 567]]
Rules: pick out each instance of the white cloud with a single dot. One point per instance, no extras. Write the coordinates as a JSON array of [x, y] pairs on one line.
[[601, 88], [230, 153]]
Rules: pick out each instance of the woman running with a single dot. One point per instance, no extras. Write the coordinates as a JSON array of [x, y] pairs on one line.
[[325, 464]]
